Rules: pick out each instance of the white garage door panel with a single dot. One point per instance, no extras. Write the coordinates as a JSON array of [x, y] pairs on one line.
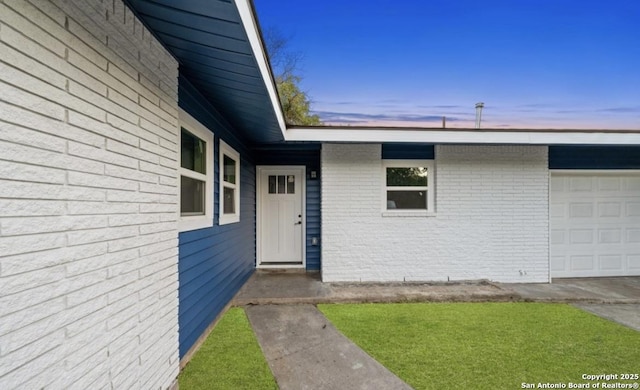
[[595, 224]]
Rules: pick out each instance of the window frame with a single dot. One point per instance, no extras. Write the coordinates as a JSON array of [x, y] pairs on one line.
[[194, 222], [226, 150], [429, 189]]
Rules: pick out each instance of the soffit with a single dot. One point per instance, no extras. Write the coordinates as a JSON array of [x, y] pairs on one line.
[[210, 41]]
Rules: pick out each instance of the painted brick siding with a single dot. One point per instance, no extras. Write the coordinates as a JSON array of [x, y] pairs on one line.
[[88, 199], [491, 219]]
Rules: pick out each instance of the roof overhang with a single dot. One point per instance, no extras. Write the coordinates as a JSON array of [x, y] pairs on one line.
[[219, 47], [221, 51], [463, 136]]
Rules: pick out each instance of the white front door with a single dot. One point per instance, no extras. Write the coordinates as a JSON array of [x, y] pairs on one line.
[[280, 216]]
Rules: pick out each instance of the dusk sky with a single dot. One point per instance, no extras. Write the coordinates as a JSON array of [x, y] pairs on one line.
[[534, 63]]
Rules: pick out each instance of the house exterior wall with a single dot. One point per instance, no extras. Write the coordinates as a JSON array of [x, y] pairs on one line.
[[216, 261], [490, 221], [88, 199]]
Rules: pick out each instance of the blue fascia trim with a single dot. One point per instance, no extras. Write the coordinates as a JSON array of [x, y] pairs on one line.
[[416, 151], [594, 157]]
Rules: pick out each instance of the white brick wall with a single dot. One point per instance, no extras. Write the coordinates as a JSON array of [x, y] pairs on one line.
[[491, 219], [88, 199]]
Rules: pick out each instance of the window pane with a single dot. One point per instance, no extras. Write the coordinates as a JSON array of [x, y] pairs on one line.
[[192, 195], [193, 153], [406, 200], [406, 177], [272, 184], [291, 184], [229, 170], [229, 200], [282, 184]]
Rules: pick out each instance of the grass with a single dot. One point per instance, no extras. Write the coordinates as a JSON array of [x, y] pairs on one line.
[[487, 345], [230, 358]]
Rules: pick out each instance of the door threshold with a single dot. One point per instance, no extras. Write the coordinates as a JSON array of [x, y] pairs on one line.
[[276, 270], [281, 264]]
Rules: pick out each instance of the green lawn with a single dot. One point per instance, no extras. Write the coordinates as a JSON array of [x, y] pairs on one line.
[[488, 345], [230, 358]]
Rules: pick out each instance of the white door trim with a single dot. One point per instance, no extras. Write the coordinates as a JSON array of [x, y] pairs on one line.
[[260, 187]]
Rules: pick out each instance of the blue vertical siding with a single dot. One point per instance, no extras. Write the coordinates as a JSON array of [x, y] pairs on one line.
[[214, 262], [309, 156], [594, 157], [313, 222]]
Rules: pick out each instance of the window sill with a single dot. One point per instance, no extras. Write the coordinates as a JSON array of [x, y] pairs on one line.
[[228, 219], [186, 224], [408, 213]]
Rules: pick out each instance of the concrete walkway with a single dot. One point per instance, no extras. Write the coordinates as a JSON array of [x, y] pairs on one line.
[[265, 288], [305, 351]]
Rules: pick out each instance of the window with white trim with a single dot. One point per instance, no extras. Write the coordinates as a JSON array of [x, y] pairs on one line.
[[229, 197], [408, 186], [196, 174]]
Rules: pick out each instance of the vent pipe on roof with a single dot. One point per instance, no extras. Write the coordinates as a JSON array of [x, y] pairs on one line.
[[479, 107]]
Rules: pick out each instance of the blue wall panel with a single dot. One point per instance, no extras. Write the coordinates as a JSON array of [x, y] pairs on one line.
[[594, 157], [309, 156], [214, 262]]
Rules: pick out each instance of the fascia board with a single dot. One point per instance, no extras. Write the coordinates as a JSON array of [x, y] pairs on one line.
[[520, 137], [250, 23]]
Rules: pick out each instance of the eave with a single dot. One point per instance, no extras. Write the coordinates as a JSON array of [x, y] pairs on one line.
[[219, 47]]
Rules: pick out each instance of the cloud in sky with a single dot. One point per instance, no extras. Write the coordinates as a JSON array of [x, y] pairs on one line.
[[548, 115], [391, 112], [565, 115], [635, 110], [539, 115], [334, 117], [441, 106]]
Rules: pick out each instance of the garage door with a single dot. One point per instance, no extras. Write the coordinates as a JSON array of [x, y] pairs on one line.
[[594, 224]]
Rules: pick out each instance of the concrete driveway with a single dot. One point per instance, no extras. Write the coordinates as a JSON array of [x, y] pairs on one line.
[[616, 299], [627, 314], [591, 290]]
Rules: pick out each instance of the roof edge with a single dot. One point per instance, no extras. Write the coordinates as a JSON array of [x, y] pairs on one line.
[[463, 135], [251, 25]]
